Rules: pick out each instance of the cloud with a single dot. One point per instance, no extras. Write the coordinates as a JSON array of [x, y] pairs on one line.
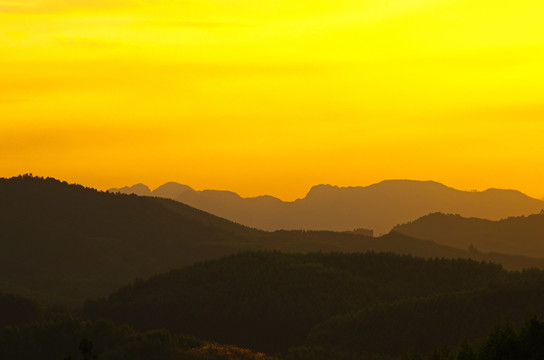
[[88, 42], [17, 7], [521, 113], [46, 139], [194, 24], [9, 100], [59, 6]]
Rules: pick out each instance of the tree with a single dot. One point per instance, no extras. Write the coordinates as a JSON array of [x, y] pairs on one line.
[[86, 349]]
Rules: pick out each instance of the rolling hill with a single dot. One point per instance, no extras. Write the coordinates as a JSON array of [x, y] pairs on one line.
[[523, 235], [378, 207], [269, 301], [420, 325], [75, 242], [330, 306]]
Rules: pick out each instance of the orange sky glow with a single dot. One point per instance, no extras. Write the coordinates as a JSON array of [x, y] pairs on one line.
[[273, 96]]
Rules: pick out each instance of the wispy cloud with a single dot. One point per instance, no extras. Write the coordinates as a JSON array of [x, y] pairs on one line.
[[50, 6], [195, 24], [532, 112], [87, 42], [9, 100], [21, 6], [57, 138]]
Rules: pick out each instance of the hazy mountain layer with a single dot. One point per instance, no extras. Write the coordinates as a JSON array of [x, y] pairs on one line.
[[516, 235], [379, 207]]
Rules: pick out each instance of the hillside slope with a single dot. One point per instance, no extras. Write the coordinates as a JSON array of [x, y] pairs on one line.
[[269, 301], [522, 235], [77, 242], [424, 324]]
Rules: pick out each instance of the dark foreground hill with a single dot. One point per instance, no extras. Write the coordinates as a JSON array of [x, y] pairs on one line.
[[16, 310], [65, 243], [503, 341], [70, 338], [378, 207], [522, 235], [420, 325], [273, 301], [29, 331], [302, 307]]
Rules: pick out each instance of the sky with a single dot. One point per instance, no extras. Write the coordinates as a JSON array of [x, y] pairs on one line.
[[273, 96]]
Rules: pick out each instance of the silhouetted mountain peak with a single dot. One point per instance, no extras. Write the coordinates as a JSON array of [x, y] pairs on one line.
[[505, 192], [393, 186], [222, 194], [138, 189], [322, 189], [405, 185], [409, 182], [171, 190], [267, 198]]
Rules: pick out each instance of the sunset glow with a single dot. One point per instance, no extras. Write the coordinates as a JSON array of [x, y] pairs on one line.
[[273, 96]]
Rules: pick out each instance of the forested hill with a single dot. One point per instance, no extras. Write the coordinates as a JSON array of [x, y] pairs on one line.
[[420, 325], [522, 235], [75, 242], [300, 307], [271, 301], [16, 310], [65, 243]]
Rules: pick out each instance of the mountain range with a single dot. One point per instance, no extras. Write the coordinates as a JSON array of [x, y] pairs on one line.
[[297, 294], [65, 243], [378, 207]]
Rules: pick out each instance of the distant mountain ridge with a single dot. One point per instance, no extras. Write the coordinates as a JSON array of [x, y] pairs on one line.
[[136, 189], [379, 207]]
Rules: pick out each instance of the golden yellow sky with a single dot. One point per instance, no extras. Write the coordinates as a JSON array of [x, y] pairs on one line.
[[273, 96]]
